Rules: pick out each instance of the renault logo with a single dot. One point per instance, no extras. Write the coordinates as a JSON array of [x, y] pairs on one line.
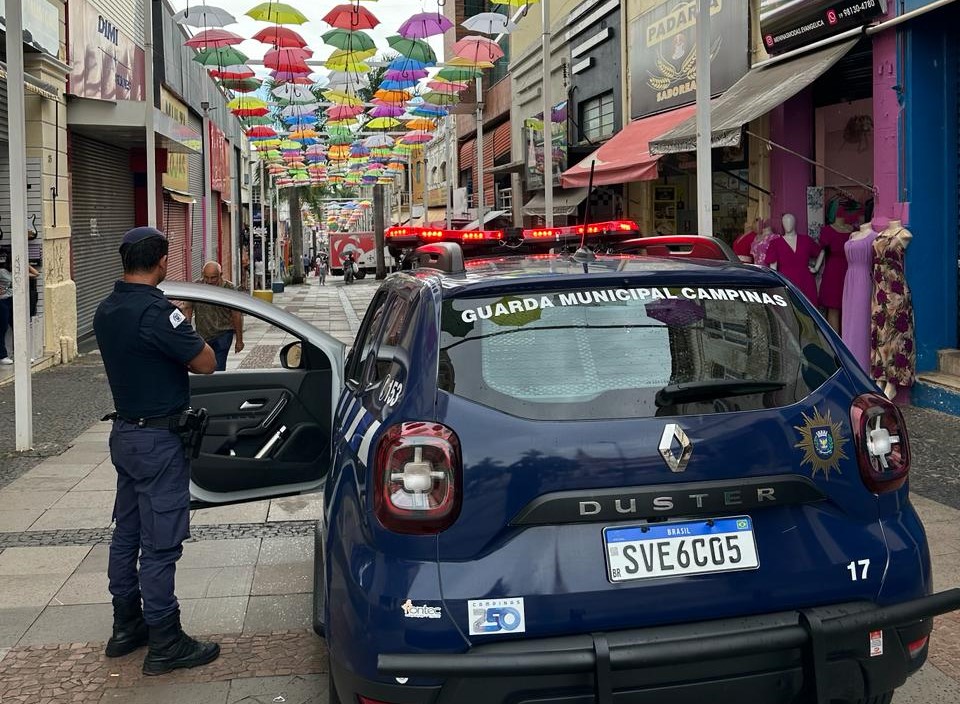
[[673, 433]]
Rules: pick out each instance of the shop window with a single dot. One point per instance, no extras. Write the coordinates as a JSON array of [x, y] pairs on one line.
[[597, 117], [443, 172]]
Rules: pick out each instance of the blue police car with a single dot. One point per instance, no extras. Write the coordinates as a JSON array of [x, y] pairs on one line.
[[655, 476]]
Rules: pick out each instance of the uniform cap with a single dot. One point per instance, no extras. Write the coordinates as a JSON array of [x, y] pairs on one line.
[[138, 234]]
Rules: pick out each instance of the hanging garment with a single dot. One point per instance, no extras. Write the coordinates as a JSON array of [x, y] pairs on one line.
[[894, 356], [835, 268], [858, 297], [760, 248], [742, 245], [795, 265]]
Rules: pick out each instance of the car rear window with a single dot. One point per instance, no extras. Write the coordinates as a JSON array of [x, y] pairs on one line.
[[593, 353]]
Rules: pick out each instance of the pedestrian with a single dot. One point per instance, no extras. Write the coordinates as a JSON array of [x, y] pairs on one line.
[[6, 305], [220, 327], [306, 265], [322, 269], [147, 348]]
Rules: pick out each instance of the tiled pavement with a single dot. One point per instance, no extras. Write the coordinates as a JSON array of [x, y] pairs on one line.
[[247, 575]]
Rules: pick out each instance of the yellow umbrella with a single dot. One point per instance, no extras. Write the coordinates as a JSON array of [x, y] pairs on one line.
[[351, 54], [382, 123], [246, 102], [346, 122], [342, 98], [467, 63]]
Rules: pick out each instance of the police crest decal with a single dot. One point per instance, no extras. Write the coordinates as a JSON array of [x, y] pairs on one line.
[[822, 443]]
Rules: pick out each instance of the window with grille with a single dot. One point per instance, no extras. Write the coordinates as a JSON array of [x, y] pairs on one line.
[[596, 117]]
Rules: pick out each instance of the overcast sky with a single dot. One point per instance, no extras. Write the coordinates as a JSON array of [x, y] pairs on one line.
[[391, 13]]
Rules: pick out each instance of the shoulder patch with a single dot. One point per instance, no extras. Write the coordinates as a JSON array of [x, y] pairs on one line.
[[176, 317]]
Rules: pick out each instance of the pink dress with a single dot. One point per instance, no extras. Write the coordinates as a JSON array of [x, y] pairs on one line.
[[760, 247], [796, 265], [835, 269]]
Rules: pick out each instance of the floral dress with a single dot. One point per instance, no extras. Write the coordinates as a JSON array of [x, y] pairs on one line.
[[894, 356]]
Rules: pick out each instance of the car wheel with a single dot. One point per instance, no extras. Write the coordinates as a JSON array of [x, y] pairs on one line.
[[885, 698], [318, 572], [332, 696]]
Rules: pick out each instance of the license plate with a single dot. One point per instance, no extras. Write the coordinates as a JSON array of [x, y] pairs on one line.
[[681, 548]]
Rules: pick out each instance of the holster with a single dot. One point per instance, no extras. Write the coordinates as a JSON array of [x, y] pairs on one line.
[[191, 427]]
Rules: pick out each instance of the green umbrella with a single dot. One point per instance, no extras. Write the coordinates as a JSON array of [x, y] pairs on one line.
[[440, 98], [259, 120], [349, 41], [457, 74], [415, 49], [221, 56], [241, 85], [340, 139]]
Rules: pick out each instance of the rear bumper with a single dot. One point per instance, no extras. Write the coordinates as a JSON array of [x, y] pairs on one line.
[[812, 655]]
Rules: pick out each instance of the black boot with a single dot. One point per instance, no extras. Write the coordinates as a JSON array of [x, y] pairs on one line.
[[171, 648], [129, 628]]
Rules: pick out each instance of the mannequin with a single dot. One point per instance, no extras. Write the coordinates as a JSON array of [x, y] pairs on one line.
[[858, 294], [833, 238], [791, 253], [743, 244], [893, 359]]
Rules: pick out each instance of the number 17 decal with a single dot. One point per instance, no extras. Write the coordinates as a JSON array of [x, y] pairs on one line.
[[861, 574]]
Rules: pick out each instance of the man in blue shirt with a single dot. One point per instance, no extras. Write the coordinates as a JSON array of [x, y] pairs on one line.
[[148, 347]]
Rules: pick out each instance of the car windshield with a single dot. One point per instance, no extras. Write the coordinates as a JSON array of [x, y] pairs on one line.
[[627, 352]]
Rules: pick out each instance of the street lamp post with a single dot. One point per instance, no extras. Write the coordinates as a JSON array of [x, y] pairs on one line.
[[448, 182], [547, 119], [704, 162], [481, 206], [148, 105], [23, 391]]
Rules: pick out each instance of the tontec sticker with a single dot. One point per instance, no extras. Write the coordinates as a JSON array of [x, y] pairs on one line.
[[492, 616]]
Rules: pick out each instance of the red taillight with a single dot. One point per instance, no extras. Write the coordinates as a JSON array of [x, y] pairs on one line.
[[418, 478], [916, 646], [883, 449]]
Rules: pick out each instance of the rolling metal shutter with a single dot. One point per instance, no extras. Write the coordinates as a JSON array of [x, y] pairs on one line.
[[195, 164], [101, 210], [4, 130], [501, 140], [175, 223], [225, 248]]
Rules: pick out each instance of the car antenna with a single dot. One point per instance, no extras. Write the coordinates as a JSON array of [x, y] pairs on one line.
[[583, 254]]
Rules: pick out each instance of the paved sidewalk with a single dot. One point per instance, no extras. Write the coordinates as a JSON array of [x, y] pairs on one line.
[[246, 575]]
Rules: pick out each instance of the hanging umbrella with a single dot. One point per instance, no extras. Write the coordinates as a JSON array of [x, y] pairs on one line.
[[242, 85], [405, 75], [342, 98], [397, 85], [463, 62], [489, 23], [416, 137], [340, 112], [351, 17], [246, 102], [261, 131], [424, 24], [377, 141], [293, 73], [287, 59], [403, 63], [277, 13], [421, 123], [449, 87], [440, 98], [204, 16], [251, 112], [350, 63], [392, 96], [383, 123], [478, 49], [280, 37], [294, 91], [386, 111], [416, 49], [513, 3], [349, 40], [457, 74], [220, 56], [426, 110], [212, 39]]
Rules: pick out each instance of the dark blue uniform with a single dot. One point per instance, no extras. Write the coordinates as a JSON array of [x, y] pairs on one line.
[[146, 344]]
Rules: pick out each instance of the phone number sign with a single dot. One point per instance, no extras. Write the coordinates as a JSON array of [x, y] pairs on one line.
[[790, 25]]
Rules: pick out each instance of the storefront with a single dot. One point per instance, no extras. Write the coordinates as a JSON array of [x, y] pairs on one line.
[[173, 125], [220, 184], [195, 175]]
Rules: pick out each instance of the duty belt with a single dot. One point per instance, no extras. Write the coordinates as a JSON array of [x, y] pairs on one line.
[[171, 422]]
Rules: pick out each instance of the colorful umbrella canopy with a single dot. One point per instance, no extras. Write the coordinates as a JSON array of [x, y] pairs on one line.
[[349, 40], [426, 110], [291, 59], [489, 23], [376, 141], [405, 75], [386, 111], [397, 85], [294, 91], [341, 112], [346, 78], [242, 85], [204, 16], [292, 74], [261, 131], [277, 13], [403, 63], [351, 17], [220, 57], [440, 98], [424, 24], [342, 98], [463, 62], [421, 123], [250, 121], [416, 137], [447, 86], [392, 96], [416, 49], [478, 49], [457, 74], [212, 39], [280, 37], [383, 123], [245, 102]]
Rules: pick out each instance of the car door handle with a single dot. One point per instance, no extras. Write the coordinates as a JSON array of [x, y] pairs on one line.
[[252, 405]]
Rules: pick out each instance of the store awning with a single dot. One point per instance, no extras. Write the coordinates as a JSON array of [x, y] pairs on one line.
[[487, 217], [180, 196], [565, 201], [753, 96], [626, 157]]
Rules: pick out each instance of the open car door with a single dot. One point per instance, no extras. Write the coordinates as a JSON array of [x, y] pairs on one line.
[[270, 429]]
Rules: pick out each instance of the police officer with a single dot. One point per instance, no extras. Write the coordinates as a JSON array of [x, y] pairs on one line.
[[148, 348]]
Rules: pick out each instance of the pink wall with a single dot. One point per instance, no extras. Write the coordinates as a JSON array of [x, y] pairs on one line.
[[886, 114], [791, 125]]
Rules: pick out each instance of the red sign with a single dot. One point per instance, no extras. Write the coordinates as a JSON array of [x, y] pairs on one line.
[[362, 244], [219, 160], [105, 62]]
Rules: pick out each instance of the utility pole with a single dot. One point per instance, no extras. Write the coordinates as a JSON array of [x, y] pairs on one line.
[[547, 119], [378, 231], [263, 227], [479, 142], [704, 160], [448, 183], [250, 281], [148, 106], [23, 382], [209, 240]]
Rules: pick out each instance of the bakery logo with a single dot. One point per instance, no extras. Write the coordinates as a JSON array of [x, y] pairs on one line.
[[412, 611], [674, 36]]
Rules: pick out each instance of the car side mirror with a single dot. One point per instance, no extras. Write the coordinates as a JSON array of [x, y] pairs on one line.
[[389, 354], [291, 356]]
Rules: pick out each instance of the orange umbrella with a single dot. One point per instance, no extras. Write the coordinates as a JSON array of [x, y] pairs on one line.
[[421, 123], [392, 96]]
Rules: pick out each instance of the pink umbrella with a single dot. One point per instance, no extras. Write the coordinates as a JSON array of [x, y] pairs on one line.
[[287, 58], [213, 39], [448, 87], [416, 137], [343, 112], [424, 24], [478, 49], [287, 76]]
